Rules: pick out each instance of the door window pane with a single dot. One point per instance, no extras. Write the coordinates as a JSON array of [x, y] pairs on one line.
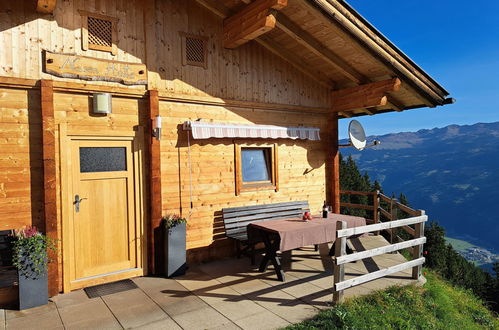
[[102, 159], [256, 164]]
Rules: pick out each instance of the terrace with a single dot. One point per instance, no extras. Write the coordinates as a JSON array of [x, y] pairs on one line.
[[231, 293]]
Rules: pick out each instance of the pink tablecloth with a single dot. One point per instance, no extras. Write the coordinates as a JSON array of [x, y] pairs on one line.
[[295, 233]]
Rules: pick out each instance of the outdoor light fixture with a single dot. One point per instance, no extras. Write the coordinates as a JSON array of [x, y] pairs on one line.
[[102, 103], [156, 132]]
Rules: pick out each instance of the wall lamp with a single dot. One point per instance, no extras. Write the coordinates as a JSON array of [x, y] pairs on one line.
[[156, 132]]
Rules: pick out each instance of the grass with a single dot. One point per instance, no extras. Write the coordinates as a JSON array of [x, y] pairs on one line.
[[457, 244], [437, 305]]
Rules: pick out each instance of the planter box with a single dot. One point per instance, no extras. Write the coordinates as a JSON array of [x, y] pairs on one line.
[[33, 292], [175, 254]]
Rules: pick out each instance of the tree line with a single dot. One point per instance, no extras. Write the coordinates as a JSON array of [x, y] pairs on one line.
[[440, 256]]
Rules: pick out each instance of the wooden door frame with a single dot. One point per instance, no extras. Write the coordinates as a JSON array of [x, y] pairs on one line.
[[138, 155]]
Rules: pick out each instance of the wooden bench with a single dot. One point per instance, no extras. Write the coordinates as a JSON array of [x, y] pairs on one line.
[[236, 220]]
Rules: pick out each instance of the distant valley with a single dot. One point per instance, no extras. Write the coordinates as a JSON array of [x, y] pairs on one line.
[[452, 173]]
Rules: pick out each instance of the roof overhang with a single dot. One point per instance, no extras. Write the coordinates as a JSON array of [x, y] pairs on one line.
[[332, 43]]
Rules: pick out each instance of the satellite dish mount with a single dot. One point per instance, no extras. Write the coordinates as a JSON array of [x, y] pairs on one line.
[[357, 137]]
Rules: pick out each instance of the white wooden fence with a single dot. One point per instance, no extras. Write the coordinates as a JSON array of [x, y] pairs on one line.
[[341, 258]]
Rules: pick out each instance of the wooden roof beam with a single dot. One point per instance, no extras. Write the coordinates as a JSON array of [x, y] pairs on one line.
[[364, 96], [345, 114], [294, 61], [316, 47], [395, 104], [252, 21], [45, 6]]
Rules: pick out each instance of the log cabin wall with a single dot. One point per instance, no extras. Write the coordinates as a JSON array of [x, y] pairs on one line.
[[260, 87], [24, 33], [301, 171], [21, 166], [247, 73]]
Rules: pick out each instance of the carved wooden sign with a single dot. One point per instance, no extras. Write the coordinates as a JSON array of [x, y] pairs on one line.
[[96, 69]]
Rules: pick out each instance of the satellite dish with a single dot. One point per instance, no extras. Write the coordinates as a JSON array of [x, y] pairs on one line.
[[357, 135]]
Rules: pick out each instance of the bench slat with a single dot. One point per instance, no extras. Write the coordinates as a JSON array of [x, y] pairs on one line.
[[264, 206], [247, 220], [299, 208], [263, 216]]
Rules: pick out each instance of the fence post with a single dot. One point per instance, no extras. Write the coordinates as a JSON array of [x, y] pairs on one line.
[[417, 251], [393, 215], [339, 270], [376, 208]]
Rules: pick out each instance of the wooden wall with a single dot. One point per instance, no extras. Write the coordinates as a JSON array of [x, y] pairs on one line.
[[249, 74], [301, 170], [24, 33], [21, 167]]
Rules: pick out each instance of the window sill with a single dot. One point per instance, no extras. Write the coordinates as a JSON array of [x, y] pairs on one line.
[[257, 186]]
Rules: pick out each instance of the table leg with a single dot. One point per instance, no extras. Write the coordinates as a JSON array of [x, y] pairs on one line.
[[271, 247], [331, 251]]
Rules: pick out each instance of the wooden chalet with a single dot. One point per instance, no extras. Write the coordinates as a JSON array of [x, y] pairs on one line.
[[224, 76]]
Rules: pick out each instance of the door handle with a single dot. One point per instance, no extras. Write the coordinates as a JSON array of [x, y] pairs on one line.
[[77, 202]]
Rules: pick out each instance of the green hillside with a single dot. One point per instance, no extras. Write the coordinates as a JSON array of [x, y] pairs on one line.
[[436, 305], [458, 245]]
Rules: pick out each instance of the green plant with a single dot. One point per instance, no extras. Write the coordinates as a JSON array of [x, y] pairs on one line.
[[30, 252], [172, 220]]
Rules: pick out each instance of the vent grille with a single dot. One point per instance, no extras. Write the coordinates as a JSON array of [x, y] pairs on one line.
[[100, 32], [194, 50]]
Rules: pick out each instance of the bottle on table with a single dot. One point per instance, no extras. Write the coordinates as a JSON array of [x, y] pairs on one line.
[[324, 210]]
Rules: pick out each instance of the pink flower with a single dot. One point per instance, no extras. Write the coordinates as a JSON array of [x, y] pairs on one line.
[[27, 232]]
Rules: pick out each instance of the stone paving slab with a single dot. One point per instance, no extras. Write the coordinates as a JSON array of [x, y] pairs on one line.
[[133, 308], [204, 318], [160, 325], [71, 298], [46, 320], [93, 314]]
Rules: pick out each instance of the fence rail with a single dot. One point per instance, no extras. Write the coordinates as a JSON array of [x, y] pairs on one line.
[[416, 218]]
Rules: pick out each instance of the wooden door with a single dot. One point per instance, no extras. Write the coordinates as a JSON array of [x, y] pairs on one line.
[[104, 230]]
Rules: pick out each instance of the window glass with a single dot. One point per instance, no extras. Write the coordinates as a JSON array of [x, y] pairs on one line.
[[255, 164], [102, 159]]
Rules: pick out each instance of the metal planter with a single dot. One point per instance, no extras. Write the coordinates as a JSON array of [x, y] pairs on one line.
[[175, 254], [33, 291]]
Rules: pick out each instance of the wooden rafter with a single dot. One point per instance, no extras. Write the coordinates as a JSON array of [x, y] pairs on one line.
[[45, 6], [315, 46], [294, 61], [251, 22], [395, 103], [345, 114], [364, 96]]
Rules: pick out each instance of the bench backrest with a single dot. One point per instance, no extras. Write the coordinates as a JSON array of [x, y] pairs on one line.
[[236, 219]]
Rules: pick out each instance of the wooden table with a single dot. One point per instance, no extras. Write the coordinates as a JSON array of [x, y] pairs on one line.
[[292, 233]]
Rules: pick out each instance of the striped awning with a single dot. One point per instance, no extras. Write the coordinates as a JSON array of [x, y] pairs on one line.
[[206, 130]]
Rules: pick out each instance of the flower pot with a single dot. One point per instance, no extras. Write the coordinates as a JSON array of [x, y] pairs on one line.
[[33, 291], [175, 254]]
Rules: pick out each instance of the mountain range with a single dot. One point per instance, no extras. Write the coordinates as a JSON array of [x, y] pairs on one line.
[[452, 173]]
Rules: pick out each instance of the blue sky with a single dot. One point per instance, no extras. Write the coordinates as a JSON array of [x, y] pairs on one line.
[[456, 42]]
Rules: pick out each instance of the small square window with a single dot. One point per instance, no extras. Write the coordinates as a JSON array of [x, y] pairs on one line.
[[256, 168], [98, 32], [256, 165], [194, 50]]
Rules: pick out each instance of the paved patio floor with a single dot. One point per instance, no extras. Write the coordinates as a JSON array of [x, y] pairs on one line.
[[227, 294]]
